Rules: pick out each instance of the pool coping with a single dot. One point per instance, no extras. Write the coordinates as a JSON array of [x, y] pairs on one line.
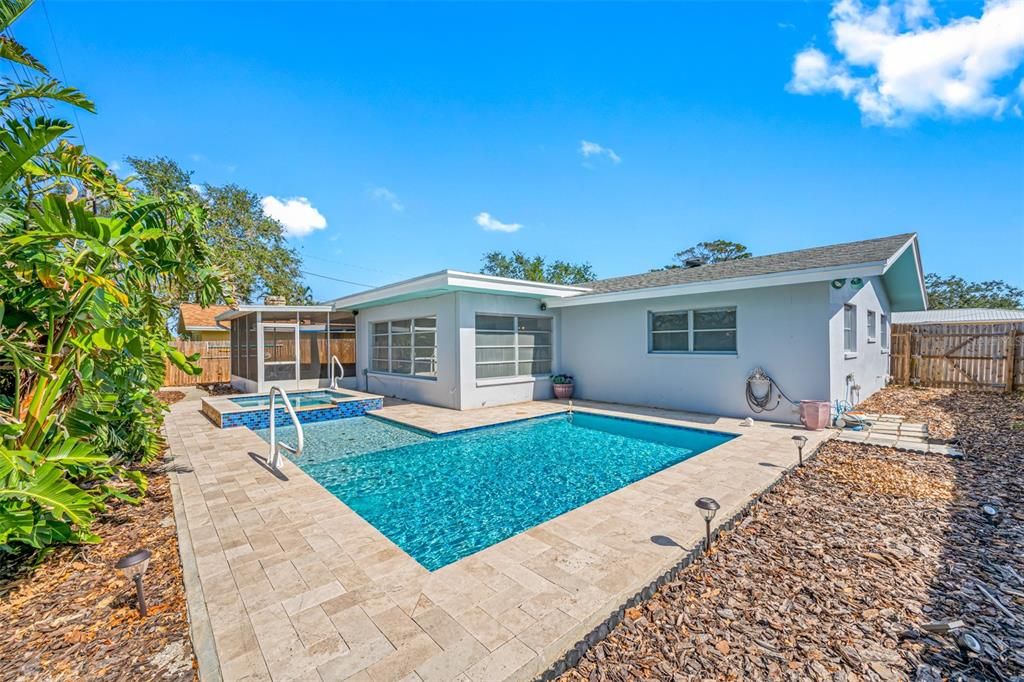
[[224, 498]]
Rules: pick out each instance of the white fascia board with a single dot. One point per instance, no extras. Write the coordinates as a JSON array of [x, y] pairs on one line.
[[454, 280], [245, 309], [204, 328], [773, 280]]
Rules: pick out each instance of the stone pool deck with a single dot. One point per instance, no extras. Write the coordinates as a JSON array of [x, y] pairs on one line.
[[286, 582]]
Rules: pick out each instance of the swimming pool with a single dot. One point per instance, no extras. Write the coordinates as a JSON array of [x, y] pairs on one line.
[[307, 399], [446, 497]]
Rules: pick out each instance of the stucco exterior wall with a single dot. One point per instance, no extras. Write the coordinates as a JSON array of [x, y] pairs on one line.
[[488, 392], [869, 365], [783, 329], [441, 391]]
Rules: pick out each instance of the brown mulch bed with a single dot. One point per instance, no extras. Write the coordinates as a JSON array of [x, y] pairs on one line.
[[928, 405], [74, 617], [219, 389], [845, 570], [169, 397]]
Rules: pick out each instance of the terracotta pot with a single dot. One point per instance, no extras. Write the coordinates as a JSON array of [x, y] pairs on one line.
[[563, 391]]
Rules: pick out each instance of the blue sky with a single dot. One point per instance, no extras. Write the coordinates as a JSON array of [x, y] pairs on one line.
[[402, 123]]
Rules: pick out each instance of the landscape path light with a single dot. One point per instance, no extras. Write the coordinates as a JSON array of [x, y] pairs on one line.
[[133, 566], [708, 508], [991, 512], [800, 441]]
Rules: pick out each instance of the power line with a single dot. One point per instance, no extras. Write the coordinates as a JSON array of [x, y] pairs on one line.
[[338, 279], [63, 74]]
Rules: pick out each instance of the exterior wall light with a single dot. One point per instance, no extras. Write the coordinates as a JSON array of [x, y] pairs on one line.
[[133, 566], [800, 441], [708, 508]]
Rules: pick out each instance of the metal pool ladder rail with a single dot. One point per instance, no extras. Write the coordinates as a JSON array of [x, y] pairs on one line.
[[275, 445], [335, 378]]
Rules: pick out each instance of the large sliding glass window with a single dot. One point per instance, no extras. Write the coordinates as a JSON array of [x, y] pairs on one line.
[[692, 331], [405, 347], [509, 345]]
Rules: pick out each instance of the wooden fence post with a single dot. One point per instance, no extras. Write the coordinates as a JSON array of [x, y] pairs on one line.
[[1011, 355]]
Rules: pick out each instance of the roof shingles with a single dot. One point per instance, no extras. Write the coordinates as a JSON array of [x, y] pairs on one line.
[[838, 255], [194, 316]]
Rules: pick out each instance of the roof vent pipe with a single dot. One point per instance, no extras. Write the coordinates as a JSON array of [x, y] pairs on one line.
[[693, 262]]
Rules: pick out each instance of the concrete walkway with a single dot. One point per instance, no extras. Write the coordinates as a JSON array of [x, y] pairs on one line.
[[284, 581]]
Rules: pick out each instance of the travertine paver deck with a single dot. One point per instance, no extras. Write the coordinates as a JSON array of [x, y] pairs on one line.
[[291, 584]]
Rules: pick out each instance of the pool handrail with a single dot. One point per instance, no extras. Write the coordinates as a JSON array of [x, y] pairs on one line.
[[275, 446], [334, 377]]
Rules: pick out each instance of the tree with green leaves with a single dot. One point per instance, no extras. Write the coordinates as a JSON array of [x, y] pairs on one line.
[[956, 292], [247, 244], [87, 267], [536, 269], [715, 251]]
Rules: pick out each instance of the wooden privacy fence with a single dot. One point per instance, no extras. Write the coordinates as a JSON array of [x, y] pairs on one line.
[[214, 358], [975, 356]]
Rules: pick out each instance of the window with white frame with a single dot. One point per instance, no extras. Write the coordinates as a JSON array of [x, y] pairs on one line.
[[872, 327], [512, 345], [693, 331], [883, 331], [850, 328], [405, 347]]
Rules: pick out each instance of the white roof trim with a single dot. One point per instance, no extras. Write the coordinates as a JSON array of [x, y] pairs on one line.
[[245, 309], [204, 328], [772, 280], [455, 280]]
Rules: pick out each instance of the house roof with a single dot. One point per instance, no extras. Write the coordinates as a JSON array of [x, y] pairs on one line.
[[895, 259], [195, 317], [446, 281], [959, 315], [867, 251]]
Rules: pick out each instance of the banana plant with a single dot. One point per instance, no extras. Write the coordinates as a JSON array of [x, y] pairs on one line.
[[86, 273]]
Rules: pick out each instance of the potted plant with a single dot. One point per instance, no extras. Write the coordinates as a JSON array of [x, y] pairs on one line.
[[563, 386]]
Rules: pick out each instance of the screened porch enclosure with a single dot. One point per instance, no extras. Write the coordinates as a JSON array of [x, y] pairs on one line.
[[290, 347]]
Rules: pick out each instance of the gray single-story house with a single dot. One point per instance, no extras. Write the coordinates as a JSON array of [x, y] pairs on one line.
[[815, 320]]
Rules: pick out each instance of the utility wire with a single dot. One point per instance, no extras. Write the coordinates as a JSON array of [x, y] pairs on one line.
[[63, 74], [338, 279]]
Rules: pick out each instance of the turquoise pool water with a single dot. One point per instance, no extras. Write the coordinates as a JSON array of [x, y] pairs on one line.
[[444, 498], [298, 399]]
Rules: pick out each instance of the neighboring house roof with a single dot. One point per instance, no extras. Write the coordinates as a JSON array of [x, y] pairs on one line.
[[895, 259], [196, 318], [959, 315]]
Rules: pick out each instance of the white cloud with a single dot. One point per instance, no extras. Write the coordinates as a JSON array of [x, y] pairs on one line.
[[385, 196], [589, 149], [898, 61], [492, 224], [296, 214]]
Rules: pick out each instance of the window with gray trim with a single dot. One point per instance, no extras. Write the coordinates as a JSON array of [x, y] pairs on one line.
[[406, 347], [512, 345], [711, 330]]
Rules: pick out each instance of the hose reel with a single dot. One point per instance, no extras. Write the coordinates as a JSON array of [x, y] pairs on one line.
[[760, 387]]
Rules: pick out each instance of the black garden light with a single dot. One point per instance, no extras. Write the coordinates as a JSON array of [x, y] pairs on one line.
[[708, 508], [800, 441], [133, 566], [991, 513], [969, 645]]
